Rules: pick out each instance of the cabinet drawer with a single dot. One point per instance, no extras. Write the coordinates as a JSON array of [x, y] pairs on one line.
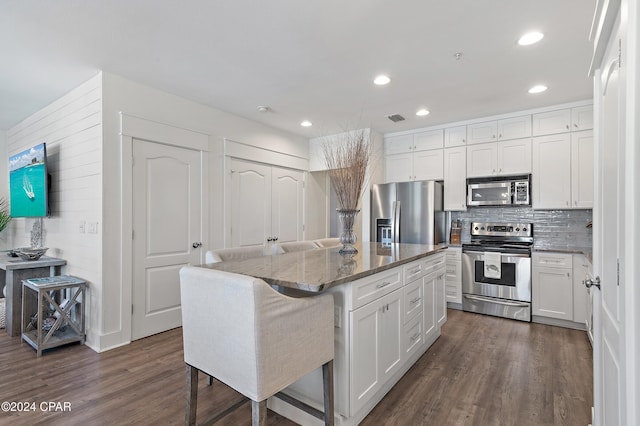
[[413, 271], [413, 336], [552, 260], [413, 300], [433, 263], [453, 253], [370, 288]]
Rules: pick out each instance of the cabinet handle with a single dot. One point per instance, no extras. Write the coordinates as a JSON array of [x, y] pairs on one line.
[[384, 284], [415, 300], [415, 337], [575, 125], [568, 274], [568, 128], [500, 135], [464, 140], [493, 137]]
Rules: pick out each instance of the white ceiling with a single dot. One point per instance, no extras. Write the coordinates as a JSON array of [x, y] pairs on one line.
[[308, 59]]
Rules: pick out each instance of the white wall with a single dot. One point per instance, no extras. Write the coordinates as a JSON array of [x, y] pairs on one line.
[[72, 129], [125, 96]]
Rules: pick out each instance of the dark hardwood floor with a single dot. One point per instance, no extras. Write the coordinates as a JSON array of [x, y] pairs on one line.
[[481, 371]]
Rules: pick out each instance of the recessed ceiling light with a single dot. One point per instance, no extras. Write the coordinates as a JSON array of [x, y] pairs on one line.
[[381, 80], [306, 123], [422, 112], [530, 38], [538, 89]]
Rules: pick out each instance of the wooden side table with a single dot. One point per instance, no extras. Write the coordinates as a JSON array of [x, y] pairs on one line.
[[59, 318]]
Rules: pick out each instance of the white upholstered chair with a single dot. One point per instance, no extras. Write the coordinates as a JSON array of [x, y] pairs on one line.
[[328, 242], [239, 330], [236, 253], [292, 246]]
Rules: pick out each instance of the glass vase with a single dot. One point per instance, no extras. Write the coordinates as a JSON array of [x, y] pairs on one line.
[[348, 238]]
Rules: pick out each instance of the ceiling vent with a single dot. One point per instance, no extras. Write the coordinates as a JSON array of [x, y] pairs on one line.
[[395, 117]]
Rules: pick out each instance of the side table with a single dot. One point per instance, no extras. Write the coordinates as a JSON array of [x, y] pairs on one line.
[[59, 318]]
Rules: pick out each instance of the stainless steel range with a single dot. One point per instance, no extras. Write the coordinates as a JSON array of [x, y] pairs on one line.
[[496, 270]]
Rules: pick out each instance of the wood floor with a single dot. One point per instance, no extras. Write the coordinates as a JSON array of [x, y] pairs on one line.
[[481, 371]]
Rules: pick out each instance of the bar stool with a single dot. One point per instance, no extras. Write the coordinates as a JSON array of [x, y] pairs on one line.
[[293, 246], [235, 253], [239, 330]]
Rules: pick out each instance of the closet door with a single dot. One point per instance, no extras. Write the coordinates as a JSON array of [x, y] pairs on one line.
[[287, 204], [250, 203]]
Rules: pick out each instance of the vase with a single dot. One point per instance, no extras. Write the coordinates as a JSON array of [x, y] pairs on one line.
[[348, 238]]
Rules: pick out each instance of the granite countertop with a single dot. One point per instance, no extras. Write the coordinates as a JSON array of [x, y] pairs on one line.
[[318, 269]]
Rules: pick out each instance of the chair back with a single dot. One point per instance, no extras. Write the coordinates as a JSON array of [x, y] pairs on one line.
[[256, 340], [294, 246], [328, 242], [235, 253]]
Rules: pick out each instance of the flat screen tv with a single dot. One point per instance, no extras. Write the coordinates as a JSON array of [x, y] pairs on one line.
[[28, 182]]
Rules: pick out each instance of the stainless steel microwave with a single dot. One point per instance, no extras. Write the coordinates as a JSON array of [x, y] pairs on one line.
[[513, 190]]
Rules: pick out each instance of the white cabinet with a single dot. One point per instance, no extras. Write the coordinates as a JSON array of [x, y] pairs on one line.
[[414, 157], [491, 131], [432, 139], [441, 300], [514, 128], [265, 202], [547, 123], [563, 120], [455, 178], [419, 165], [580, 292], [499, 158], [552, 285], [455, 136], [482, 159], [582, 169], [551, 172], [486, 131], [430, 325], [562, 171], [376, 346], [398, 144], [582, 118], [453, 275], [514, 157]]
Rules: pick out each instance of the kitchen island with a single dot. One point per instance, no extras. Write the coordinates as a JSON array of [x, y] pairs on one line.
[[389, 306]]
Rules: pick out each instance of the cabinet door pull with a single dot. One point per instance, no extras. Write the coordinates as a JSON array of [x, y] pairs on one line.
[[415, 337], [415, 300], [384, 284]]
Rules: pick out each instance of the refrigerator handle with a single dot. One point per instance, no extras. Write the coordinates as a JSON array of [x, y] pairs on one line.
[[396, 222]]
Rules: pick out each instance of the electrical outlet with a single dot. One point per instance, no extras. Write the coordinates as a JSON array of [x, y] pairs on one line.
[[83, 226], [337, 317]]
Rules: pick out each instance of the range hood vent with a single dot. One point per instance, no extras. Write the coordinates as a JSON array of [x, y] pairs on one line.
[[395, 117]]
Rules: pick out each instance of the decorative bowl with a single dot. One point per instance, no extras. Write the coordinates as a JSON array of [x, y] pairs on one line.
[[29, 253]]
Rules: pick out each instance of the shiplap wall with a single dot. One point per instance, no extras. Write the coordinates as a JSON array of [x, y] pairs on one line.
[[72, 129]]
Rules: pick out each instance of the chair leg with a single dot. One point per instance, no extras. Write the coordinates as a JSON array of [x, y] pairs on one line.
[[258, 413], [192, 395], [327, 384]]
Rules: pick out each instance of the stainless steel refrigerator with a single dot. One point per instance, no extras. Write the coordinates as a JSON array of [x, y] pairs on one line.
[[407, 212]]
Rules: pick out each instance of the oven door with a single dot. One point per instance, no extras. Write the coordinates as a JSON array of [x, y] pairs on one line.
[[514, 282]]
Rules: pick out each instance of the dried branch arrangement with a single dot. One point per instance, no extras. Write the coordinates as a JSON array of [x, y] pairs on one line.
[[347, 161], [5, 216]]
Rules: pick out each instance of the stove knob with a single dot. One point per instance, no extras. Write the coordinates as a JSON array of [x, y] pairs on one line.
[[517, 229], [482, 228], [476, 228], [524, 229]]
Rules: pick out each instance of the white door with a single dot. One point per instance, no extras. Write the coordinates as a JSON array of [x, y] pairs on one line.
[[167, 195], [250, 203], [609, 226], [287, 191]]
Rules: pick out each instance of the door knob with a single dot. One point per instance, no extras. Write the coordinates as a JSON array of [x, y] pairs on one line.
[[196, 245], [589, 282]]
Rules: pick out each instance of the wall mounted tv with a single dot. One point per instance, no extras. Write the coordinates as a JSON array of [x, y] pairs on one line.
[[28, 182]]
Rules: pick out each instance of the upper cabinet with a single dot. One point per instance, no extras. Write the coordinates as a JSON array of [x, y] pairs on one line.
[[455, 179], [455, 136], [499, 158], [563, 120], [414, 157], [582, 169], [551, 176], [398, 144], [491, 131], [582, 118]]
